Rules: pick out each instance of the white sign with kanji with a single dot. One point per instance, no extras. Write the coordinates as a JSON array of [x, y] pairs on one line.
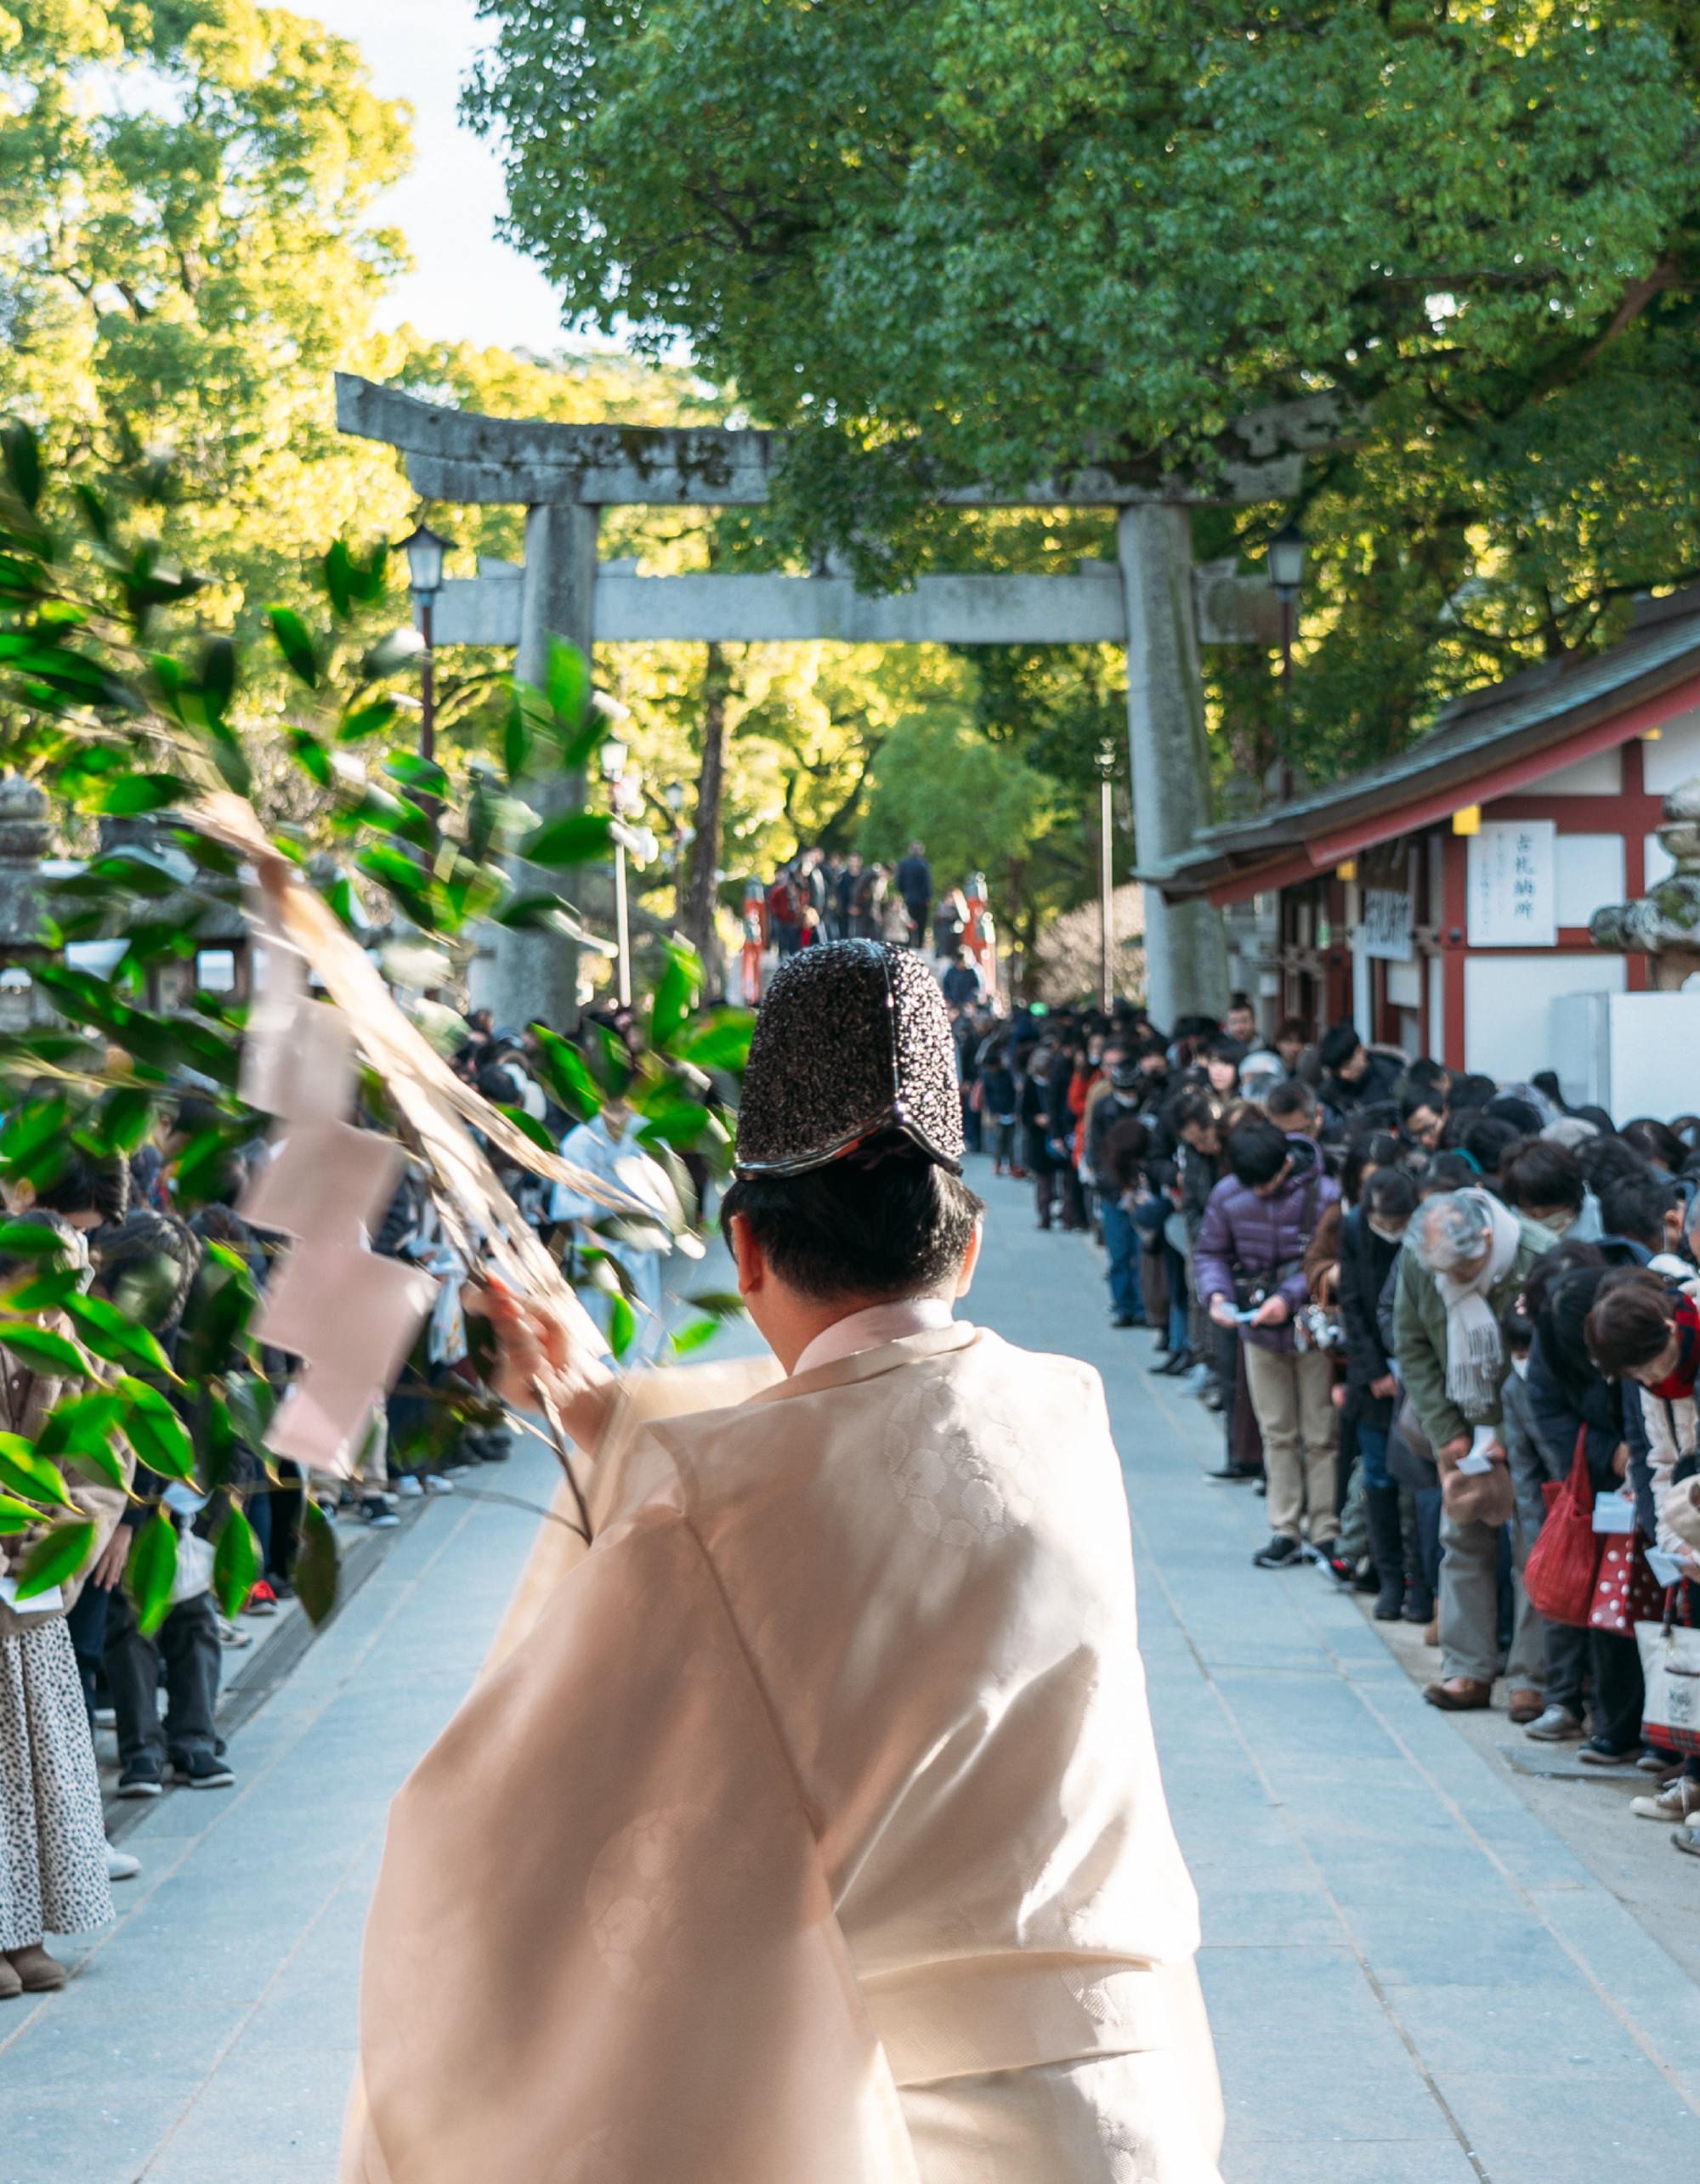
[[1513, 900]]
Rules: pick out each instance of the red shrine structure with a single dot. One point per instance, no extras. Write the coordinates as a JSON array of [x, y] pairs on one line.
[[1442, 898]]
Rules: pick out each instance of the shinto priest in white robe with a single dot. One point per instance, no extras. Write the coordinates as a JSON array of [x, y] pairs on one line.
[[809, 1828]]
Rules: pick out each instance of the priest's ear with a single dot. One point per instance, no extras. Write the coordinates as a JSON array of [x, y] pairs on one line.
[[753, 1271]]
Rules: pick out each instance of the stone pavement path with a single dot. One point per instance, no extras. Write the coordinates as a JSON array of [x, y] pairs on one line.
[[1413, 1978]]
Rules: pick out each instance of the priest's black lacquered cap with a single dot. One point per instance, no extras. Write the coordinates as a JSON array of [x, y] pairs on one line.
[[853, 1041]]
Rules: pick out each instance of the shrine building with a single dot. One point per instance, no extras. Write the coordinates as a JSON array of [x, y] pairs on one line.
[[1440, 899]]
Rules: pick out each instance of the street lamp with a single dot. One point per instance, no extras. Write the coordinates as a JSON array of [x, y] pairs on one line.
[[1105, 877], [1286, 574], [425, 549]]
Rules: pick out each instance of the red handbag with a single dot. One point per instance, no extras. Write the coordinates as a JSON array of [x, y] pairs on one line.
[[1562, 1572], [1626, 1592]]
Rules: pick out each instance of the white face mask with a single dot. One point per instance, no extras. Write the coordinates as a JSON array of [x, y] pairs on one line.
[[1519, 1365], [1389, 1235]]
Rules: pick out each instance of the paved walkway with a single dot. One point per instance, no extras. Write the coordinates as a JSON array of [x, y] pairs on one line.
[[1413, 1978]]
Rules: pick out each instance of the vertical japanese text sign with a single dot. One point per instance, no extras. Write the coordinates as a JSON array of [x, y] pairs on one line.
[[1513, 902]]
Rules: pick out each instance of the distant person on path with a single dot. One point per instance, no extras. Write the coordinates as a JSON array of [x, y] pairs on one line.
[[784, 912], [914, 886]]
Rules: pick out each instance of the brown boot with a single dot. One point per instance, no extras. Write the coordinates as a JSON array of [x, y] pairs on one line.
[[1459, 1695], [10, 1983], [1525, 1705], [37, 1972]]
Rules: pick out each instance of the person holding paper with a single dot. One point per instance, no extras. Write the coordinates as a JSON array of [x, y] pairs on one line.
[[811, 1829], [1465, 1260]]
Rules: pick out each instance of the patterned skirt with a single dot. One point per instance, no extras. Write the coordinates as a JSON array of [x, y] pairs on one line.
[[53, 1841]]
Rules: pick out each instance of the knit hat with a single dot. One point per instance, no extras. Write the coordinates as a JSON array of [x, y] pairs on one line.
[[853, 1040]]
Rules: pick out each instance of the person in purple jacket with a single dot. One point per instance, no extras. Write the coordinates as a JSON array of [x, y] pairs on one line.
[[1249, 1271]]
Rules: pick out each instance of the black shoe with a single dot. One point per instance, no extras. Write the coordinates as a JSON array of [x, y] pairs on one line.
[[1279, 1554], [201, 1770], [140, 1778], [1234, 1475], [1327, 1555], [1122, 1320], [1390, 1602], [1596, 1752], [1179, 1362], [1420, 1604]]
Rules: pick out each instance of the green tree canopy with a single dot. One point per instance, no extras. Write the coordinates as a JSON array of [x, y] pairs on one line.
[[993, 238]]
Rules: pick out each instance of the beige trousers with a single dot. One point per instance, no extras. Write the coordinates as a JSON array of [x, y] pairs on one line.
[[1291, 1394]]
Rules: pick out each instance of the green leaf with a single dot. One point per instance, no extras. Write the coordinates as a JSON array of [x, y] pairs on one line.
[[310, 755], [112, 1335], [421, 776], [51, 1560], [516, 740], [338, 571], [611, 1063], [692, 1337], [123, 1120], [27, 1471], [30, 1239], [363, 721], [80, 1432], [316, 1565], [37, 1124], [529, 1126], [678, 1122], [204, 1169], [218, 677], [17, 1516], [45, 1293], [721, 1042], [562, 1068], [252, 1402], [719, 1303], [134, 793], [23, 460], [568, 685], [219, 1308], [42, 1350], [576, 838], [235, 1562], [152, 1570], [154, 1431], [294, 644], [622, 1325], [676, 994]]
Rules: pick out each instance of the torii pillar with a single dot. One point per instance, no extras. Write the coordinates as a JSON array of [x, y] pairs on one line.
[[525, 976], [1185, 945]]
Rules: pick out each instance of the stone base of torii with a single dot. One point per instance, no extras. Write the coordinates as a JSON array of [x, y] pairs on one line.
[[1152, 600]]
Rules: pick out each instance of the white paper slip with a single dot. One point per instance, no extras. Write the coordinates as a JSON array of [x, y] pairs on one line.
[[1613, 1512], [49, 1603], [1665, 1568], [1478, 1460]]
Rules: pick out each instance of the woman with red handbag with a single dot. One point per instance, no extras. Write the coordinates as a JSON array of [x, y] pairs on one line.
[[1645, 1330]]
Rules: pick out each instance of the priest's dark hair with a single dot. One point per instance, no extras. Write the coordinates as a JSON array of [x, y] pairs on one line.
[[883, 1223]]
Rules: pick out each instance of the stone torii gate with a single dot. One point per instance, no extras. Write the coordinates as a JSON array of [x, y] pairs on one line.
[[1150, 599]]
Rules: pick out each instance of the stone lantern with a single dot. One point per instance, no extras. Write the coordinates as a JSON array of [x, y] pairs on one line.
[[1664, 924]]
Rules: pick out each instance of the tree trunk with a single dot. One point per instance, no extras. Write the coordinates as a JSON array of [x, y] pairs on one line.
[[698, 891]]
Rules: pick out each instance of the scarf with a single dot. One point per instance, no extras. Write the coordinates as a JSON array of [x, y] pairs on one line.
[[1679, 1386], [1475, 1352]]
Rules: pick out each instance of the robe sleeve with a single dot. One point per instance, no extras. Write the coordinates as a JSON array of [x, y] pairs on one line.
[[602, 1949]]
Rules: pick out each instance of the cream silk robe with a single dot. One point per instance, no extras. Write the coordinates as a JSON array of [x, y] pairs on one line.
[[811, 1833]]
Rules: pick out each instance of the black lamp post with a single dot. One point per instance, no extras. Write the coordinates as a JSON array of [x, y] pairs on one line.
[[425, 549], [1286, 574]]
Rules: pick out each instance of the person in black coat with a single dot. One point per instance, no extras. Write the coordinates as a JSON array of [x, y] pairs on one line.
[[1370, 1241], [1572, 1404]]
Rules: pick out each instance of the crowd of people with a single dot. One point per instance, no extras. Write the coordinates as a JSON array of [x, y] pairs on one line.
[[833, 895], [76, 1665], [1426, 1305]]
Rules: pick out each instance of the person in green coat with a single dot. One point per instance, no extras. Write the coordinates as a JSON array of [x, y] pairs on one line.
[[1466, 1260]]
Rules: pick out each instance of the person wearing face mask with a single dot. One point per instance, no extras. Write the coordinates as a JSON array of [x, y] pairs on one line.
[[1545, 1183]]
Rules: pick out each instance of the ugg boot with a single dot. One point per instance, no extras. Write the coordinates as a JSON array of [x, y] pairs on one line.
[[10, 1984], [37, 1972], [1387, 1550]]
